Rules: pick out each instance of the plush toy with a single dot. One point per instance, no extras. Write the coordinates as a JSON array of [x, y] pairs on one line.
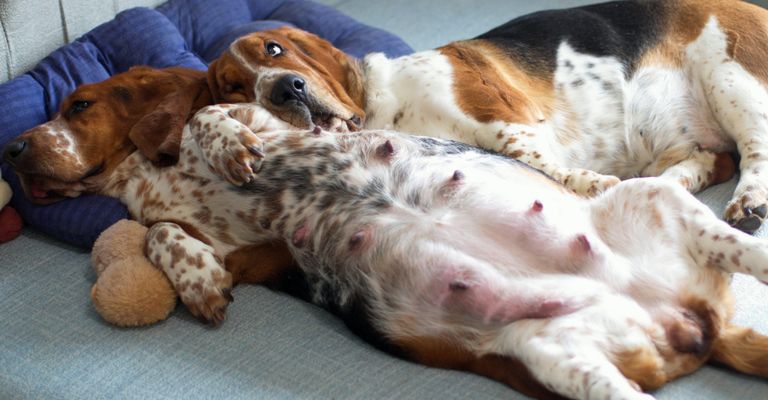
[[10, 221], [129, 290]]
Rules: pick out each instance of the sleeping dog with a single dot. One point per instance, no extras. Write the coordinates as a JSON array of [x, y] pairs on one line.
[[445, 254], [588, 95]]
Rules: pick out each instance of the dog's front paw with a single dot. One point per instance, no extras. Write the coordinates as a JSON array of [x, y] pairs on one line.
[[236, 157], [207, 298], [589, 183], [601, 184], [748, 211]]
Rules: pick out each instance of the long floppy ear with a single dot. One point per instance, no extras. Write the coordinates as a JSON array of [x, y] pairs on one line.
[[213, 82], [158, 134]]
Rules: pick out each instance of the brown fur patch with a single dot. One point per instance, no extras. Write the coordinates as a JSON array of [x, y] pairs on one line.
[[742, 349], [490, 87], [642, 366], [259, 264]]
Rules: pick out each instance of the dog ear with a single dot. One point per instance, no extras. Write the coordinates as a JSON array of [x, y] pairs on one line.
[[213, 82], [158, 134]]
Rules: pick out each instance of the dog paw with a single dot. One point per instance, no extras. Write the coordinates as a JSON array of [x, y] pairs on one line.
[[589, 183], [601, 184], [207, 299], [237, 157], [747, 212]]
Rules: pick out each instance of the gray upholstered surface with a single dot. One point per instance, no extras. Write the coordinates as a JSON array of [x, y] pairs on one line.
[[53, 345]]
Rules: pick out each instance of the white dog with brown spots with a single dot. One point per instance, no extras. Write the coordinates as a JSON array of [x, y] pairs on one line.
[[589, 95]]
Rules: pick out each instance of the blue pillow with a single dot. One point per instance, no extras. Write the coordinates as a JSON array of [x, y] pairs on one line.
[[179, 33], [209, 27]]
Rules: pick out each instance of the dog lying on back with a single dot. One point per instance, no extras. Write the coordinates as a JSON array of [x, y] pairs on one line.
[[446, 254], [587, 95]]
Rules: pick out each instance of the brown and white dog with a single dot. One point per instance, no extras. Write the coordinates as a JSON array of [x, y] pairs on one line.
[[447, 254], [92, 142], [588, 95]]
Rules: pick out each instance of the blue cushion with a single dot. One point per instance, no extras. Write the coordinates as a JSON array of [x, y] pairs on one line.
[[209, 27], [179, 33], [136, 36]]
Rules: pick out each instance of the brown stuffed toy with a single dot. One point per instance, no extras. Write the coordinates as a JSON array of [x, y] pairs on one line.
[[129, 290]]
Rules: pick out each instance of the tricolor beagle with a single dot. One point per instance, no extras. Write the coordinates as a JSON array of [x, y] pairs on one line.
[[589, 95]]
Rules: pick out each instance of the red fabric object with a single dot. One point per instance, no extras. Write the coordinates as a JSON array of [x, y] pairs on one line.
[[10, 224]]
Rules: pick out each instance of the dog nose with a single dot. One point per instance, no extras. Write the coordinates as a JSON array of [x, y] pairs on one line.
[[13, 150], [290, 87]]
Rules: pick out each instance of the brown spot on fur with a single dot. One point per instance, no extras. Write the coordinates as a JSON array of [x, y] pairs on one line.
[[516, 154], [162, 236], [490, 87]]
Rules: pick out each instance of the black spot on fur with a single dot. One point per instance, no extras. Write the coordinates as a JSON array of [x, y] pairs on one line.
[[621, 29]]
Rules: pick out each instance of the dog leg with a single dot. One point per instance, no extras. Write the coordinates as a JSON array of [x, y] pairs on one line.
[[524, 143], [677, 214], [739, 102], [713, 242], [226, 136], [699, 171], [575, 367], [193, 268]]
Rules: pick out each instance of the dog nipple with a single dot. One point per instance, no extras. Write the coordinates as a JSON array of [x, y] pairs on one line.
[[385, 150], [358, 239], [316, 130], [458, 286], [581, 244], [457, 176], [537, 206], [299, 238]]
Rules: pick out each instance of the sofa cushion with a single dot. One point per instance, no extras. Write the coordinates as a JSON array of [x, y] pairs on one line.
[[179, 33]]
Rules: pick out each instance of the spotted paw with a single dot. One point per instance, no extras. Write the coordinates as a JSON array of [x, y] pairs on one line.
[[601, 184], [208, 300], [747, 212], [237, 157]]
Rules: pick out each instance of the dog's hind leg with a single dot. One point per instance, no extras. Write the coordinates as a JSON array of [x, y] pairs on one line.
[[573, 365], [739, 101]]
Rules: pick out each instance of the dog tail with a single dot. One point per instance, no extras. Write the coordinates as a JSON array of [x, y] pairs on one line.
[[742, 349]]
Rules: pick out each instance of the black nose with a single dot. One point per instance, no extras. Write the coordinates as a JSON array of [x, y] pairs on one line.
[[289, 87], [14, 149]]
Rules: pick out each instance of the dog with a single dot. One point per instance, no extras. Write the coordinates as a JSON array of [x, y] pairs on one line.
[[440, 252], [96, 133], [589, 95]]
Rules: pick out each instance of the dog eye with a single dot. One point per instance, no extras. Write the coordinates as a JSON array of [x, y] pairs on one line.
[[78, 106], [274, 49]]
